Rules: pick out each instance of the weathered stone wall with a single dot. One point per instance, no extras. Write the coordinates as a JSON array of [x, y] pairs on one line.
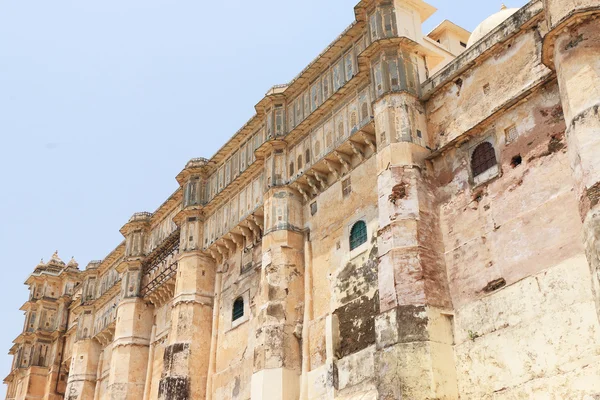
[[103, 373], [157, 368], [474, 287], [162, 326], [235, 345], [524, 312], [479, 92], [345, 292], [558, 10], [535, 337]]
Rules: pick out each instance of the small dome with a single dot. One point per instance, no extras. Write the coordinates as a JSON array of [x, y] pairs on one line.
[[72, 263], [55, 260], [490, 23], [40, 266]]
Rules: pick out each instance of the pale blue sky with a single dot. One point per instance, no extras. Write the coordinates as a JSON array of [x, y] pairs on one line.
[[103, 102]]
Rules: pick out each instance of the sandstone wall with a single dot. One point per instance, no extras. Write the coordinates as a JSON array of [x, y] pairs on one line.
[[345, 293], [235, 343], [475, 95], [524, 321]]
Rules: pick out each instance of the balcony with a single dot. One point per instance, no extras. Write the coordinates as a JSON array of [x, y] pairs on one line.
[[346, 155]]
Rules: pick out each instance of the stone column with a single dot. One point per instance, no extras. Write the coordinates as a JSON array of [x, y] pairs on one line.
[[414, 356], [130, 349], [85, 358], [134, 318], [187, 356], [84, 366], [572, 48], [277, 354]]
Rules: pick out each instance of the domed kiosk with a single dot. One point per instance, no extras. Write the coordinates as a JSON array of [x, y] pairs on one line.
[[490, 23]]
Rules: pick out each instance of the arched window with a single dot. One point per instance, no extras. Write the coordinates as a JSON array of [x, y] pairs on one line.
[[341, 129], [364, 111], [358, 234], [299, 162], [353, 120], [291, 168], [317, 148], [238, 309], [483, 158], [307, 156]]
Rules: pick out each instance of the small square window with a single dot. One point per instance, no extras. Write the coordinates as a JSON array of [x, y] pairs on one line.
[[346, 187], [511, 133], [463, 44], [486, 88]]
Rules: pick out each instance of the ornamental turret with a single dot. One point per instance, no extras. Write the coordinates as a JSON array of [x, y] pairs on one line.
[[38, 349]]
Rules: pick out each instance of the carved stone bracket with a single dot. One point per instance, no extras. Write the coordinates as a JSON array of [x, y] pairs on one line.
[[368, 141], [322, 179], [216, 256], [313, 185], [237, 239], [332, 168], [258, 220], [358, 150], [255, 229], [301, 190], [344, 160]]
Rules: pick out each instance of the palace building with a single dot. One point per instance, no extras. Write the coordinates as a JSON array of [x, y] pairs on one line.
[[414, 216]]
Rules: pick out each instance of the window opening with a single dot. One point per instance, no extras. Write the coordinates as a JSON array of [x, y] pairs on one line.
[[353, 120], [349, 62], [358, 234], [511, 133], [378, 75], [238, 309], [373, 27], [306, 97], [388, 24], [394, 77], [298, 104], [483, 158], [326, 86], [346, 187], [338, 75], [364, 111], [279, 120]]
